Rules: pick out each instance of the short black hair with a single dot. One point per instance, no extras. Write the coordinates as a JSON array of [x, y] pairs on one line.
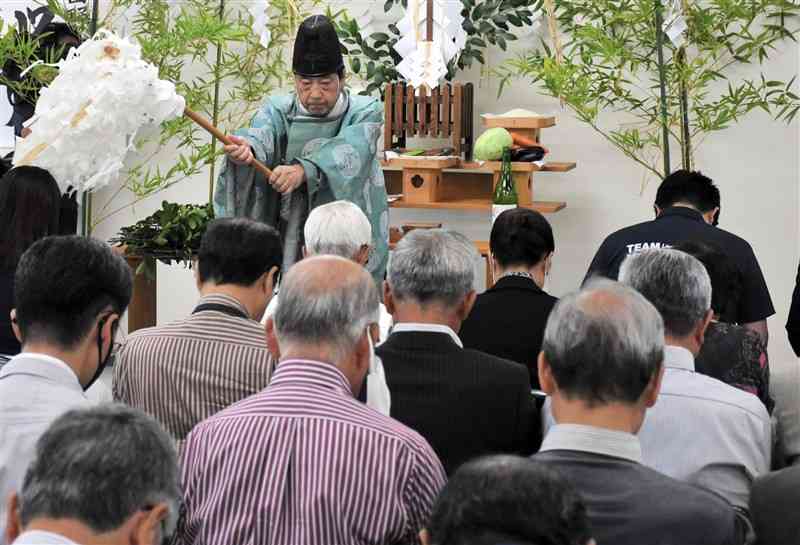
[[238, 251], [63, 284], [690, 187], [726, 278], [521, 237], [516, 499], [30, 209]]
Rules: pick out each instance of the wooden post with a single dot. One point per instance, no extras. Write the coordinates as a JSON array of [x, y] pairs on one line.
[[142, 310]]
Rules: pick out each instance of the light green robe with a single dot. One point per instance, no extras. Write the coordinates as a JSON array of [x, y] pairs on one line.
[[343, 167]]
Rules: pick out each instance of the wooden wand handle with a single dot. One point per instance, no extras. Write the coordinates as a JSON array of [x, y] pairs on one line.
[[222, 137]]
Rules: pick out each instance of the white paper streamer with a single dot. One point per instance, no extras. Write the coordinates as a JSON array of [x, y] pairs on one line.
[[259, 10], [87, 119], [425, 62], [675, 22]]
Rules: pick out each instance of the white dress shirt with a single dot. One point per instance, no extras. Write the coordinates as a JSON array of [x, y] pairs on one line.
[[593, 440], [38, 537], [428, 328], [35, 389], [705, 432]]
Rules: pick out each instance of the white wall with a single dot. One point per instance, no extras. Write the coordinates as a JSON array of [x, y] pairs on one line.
[[754, 163]]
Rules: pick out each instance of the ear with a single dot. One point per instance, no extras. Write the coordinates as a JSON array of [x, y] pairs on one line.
[[305, 252], [657, 210], [388, 298], [363, 357], [700, 331], [375, 333], [269, 282], [711, 215], [196, 274], [546, 380], [425, 537], [15, 325], [272, 339], [654, 388], [109, 331], [147, 526], [466, 305], [362, 256], [13, 522]]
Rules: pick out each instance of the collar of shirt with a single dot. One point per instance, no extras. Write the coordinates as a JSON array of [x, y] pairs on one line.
[[616, 444], [677, 357], [221, 299], [427, 328], [313, 372], [39, 537], [41, 365], [683, 211], [338, 109]]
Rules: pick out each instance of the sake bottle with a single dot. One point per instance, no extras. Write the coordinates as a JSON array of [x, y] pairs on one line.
[[505, 194]]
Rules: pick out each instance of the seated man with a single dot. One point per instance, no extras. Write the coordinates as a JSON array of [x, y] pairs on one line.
[[508, 500], [70, 293], [464, 402], [508, 320], [340, 228], [601, 363], [183, 372], [702, 430], [687, 208], [106, 475], [303, 461], [773, 505]]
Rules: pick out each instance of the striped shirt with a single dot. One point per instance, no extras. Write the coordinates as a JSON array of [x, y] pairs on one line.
[[186, 371], [305, 463]]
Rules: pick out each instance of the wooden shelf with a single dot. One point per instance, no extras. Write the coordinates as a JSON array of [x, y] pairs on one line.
[[477, 205], [556, 166], [540, 122]]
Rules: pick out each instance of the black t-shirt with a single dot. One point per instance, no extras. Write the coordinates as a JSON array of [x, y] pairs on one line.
[[679, 224], [9, 346], [793, 325]]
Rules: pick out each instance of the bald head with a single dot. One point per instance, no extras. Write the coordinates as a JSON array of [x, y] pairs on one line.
[[326, 301], [604, 344]]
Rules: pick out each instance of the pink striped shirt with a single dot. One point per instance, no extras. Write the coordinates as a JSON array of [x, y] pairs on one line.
[[303, 462]]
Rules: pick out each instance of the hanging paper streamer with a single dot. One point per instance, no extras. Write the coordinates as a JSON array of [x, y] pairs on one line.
[[674, 22], [425, 57], [87, 119], [259, 10]]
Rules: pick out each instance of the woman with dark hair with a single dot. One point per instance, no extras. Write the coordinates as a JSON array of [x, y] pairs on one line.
[[30, 204], [730, 353], [508, 320]]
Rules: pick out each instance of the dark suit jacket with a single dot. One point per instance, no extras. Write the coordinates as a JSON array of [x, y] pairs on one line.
[[463, 402], [630, 504], [508, 321], [774, 500]]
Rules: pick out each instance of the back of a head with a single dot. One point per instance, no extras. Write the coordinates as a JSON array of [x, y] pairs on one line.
[[338, 228], [726, 278], [238, 251], [676, 283], [508, 500], [62, 284], [604, 344], [432, 266], [326, 300], [30, 208], [689, 187], [521, 237], [100, 466]]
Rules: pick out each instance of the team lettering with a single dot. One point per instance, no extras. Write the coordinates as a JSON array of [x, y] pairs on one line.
[[640, 246]]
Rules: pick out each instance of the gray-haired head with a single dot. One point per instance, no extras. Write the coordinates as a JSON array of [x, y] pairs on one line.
[[675, 282], [326, 301], [604, 343], [100, 466], [337, 228], [432, 266]]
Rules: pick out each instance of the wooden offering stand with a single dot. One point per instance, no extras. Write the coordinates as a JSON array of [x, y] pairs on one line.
[[454, 182]]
